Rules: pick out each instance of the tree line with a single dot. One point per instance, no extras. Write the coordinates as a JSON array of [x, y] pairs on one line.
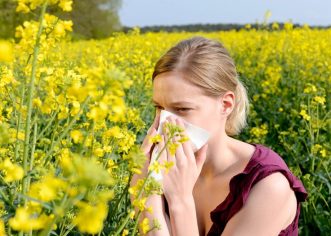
[[91, 18]]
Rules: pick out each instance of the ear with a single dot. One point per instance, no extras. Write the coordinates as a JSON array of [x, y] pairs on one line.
[[227, 102]]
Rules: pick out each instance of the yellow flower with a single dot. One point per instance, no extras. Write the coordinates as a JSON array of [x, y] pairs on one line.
[[125, 232], [37, 102], [315, 148], [132, 213], [97, 113], [155, 139], [2, 228], [12, 171], [47, 189], [304, 114], [26, 219], [64, 112], [114, 131], [90, 217], [323, 153], [167, 165], [82, 171], [21, 221], [140, 203], [319, 99], [172, 148], [155, 166], [66, 5], [259, 131], [22, 7], [183, 139], [310, 89], [108, 149], [77, 136], [144, 225], [74, 108], [6, 51], [99, 152], [20, 135]]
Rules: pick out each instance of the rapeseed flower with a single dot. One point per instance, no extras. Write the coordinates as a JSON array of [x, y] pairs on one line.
[[12, 171]]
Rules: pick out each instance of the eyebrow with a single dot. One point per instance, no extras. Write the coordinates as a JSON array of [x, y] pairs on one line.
[[176, 103]]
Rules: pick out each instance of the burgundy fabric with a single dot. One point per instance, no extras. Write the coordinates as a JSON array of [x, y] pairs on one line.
[[263, 163]]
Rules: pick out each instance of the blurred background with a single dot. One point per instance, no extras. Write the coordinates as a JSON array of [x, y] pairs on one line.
[[80, 84], [100, 18]]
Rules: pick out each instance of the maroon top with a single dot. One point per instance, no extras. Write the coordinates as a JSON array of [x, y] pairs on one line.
[[263, 163]]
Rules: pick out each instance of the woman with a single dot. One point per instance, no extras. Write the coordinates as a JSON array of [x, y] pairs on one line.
[[228, 187]]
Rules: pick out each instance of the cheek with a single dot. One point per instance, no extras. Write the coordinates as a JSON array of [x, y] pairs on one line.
[[206, 119]]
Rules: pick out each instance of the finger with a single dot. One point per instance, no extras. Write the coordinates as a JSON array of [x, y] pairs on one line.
[[166, 140], [166, 150], [181, 159], [187, 146], [153, 128], [147, 145], [163, 155], [201, 156], [156, 121]]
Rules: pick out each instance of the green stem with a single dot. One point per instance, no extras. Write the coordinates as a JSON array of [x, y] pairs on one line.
[[32, 152], [84, 141], [47, 126], [92, 144], [113, 209], [64, 133], [49, 227], [119, 230], [30, 97], [70, 227], [141, 190], [19, 121], [5, 199], [136, 224]]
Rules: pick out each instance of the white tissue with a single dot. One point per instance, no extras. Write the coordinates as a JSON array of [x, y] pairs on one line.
[[197, 135]]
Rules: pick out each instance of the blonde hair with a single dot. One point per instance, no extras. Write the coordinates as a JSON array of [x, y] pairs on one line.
[[207, 64]]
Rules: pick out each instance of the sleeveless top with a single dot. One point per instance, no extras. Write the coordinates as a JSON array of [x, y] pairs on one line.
[[263, 163]]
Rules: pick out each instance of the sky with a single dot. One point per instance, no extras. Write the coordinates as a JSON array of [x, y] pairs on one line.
[[178, 12]]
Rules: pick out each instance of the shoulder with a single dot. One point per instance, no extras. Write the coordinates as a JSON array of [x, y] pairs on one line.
[[274, 188], [270, 207]]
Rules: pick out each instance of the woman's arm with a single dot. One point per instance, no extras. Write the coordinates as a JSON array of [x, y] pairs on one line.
[[157, 203], [183, 217], [269, 208]]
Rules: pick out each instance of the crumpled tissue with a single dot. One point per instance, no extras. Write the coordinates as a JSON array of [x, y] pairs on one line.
[[197, 136]]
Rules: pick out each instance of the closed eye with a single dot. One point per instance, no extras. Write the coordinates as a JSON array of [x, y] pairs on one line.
[[158, 107], [177, 109], [183, 109]]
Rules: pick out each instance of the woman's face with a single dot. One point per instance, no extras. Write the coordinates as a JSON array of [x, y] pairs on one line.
[[173, 93]]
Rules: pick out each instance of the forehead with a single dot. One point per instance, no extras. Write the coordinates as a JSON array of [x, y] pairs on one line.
[[173, 86]]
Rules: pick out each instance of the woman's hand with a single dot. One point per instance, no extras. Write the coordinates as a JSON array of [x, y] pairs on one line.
[[155, 201], [179, 182], [147, 147]]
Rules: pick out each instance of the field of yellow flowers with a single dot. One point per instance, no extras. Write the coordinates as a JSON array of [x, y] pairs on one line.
[[73, 115]]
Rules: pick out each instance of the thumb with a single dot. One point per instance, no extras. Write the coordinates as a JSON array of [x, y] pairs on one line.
[[201, 156], [156, 121]]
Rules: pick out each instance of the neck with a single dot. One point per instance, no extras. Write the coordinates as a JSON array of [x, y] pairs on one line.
[[220, 156]]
